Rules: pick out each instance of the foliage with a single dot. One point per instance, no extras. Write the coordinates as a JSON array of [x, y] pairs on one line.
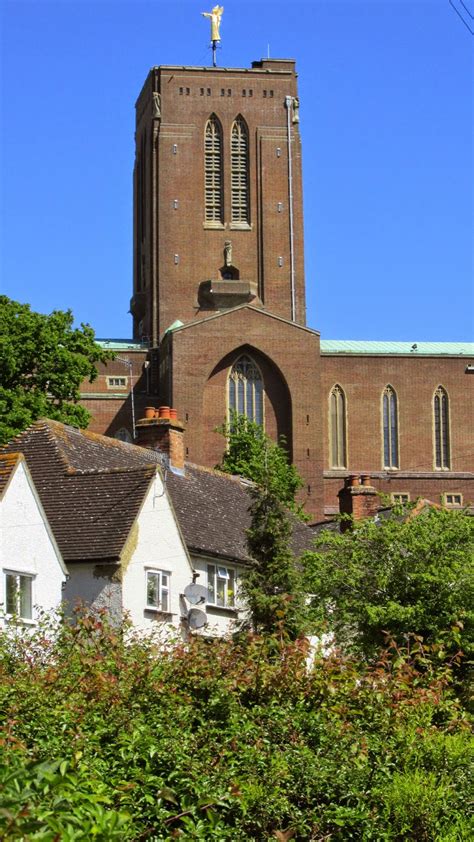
[[43, 361], [272, 587], [108, 736], [251, 453], [401, 576]]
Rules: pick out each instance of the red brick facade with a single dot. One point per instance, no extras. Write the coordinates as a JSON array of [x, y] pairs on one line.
[[238, 288]]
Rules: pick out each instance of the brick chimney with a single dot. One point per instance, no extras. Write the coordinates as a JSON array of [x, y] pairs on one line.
[[161, 430], [358, 498]]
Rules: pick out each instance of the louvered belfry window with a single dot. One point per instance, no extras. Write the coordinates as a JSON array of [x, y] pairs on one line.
[[337, 426], [213, 193], [239, 153], [441, 428]]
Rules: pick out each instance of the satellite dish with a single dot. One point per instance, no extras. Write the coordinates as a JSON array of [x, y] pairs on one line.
[[195, 594], [197, 619]]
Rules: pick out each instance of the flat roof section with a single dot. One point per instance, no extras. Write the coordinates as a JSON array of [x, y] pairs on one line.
[[409, 349]]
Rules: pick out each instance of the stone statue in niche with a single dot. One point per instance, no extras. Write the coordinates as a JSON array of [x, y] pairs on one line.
[[227, 253], [156, 106], [296, 110]]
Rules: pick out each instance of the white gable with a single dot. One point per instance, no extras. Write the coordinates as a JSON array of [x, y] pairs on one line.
[[27, 545]]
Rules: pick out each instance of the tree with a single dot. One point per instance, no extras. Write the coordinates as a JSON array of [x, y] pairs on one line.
[[272, 586], [252, 454], [43, 361], [402, 576]]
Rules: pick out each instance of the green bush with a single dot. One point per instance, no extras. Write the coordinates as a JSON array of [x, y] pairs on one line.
[[107, 736]]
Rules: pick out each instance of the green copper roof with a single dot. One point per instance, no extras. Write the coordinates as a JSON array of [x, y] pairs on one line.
[[435, 349], [122, 345], [176, 324]]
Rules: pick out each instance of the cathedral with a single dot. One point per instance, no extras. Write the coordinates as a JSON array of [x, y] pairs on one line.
[[218, 307]]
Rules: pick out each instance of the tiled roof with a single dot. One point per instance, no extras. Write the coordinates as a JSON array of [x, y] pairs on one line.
[[213, 512], [91, 487], [8, 462], [436, 349]]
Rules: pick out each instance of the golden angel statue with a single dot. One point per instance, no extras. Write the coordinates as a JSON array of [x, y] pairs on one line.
[[215, 17]]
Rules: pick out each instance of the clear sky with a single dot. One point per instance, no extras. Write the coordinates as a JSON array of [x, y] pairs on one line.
[[386, 92]]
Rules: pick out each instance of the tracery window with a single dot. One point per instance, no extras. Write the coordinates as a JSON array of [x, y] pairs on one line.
[[337, 427], [441, 428], [239, 161], [213, 181], [245, 390], [390, 428]]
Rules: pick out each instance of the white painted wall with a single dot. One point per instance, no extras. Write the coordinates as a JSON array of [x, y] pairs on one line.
[[221, 621], [94, 585], [155, 543], [27, 544]]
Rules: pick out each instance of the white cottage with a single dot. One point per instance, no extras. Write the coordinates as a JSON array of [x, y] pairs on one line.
[[33, 573], [136, 525]]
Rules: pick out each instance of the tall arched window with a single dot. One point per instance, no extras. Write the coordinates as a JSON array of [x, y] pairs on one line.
[[239, 162], [213, 190], [441, 428], [245, 390], [337, 428], [390, 428]]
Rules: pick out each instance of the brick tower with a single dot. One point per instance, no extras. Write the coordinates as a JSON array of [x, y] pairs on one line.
[[218, 256]]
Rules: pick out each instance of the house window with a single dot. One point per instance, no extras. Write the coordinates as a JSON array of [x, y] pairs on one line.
[[245, 390], [401, 498], [213, 193], [221, 582], [19, 595], [390, 428], [441, 429], [239, 161], [452, 499], [337, 427], [157, 590], [116, 382]]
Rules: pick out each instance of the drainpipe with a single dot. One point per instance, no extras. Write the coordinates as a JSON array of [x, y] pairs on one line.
[[288, 105]]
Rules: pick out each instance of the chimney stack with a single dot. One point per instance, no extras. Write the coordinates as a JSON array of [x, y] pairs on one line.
[[358, 498], [161, 430]]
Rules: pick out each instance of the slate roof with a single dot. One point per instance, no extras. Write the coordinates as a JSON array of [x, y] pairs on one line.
[[92, 486], [213, 512]]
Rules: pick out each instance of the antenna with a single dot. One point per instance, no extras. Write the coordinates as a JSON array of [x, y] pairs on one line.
[[195, 594], [268, 50], [197, 619]]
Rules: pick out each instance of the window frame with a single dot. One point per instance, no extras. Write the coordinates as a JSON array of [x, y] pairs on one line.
[[390, 393], [122, 385], [396, 494], [235, 408], [216, 210], [345, 454], [229, 574], [162, 588], [452, 504], [28, 576], [442, 440], [236, 170]]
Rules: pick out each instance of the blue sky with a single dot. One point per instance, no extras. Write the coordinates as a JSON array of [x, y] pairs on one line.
[[386, 92]]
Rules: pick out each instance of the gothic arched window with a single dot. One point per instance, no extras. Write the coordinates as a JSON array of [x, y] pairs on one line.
[[239, 164], [337, 427], [390, 428], [441, 428], [213, 189], [245, 390]]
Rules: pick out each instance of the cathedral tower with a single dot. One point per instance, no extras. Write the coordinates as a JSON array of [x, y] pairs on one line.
[[218, 215]]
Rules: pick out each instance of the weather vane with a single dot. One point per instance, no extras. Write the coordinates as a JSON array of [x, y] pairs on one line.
[[215, 17]]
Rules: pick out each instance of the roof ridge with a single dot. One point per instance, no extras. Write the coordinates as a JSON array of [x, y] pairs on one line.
[[234, 477]]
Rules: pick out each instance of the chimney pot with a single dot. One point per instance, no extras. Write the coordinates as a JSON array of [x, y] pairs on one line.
[[149, 412], [163, 412], [365, 479], [174, 414]]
